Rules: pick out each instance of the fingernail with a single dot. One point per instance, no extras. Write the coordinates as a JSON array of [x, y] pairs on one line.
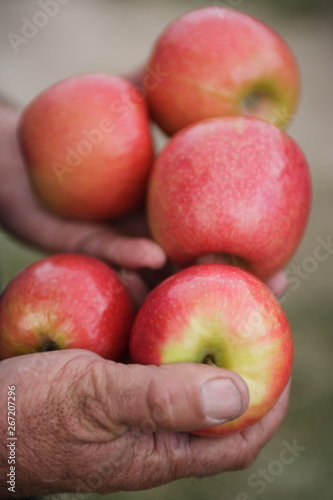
[[221, 400]]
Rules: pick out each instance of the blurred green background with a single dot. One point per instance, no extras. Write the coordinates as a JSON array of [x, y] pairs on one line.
[[116, 36]]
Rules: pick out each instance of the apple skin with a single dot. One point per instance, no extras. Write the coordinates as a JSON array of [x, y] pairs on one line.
[[65, 301], [227, 316], [216, 61], [87, 146], [235, 186]]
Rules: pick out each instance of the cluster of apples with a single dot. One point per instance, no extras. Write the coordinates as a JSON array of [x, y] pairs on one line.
[[228, 183]]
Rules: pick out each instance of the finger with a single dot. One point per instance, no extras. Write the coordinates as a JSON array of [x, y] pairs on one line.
[[278, 283], [123, 250], [213, 258], [135, 285], [51, 232], [179, 455], [259, 434], [236, 451], [174, 397]]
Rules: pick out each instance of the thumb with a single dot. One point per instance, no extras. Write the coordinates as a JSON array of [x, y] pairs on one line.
[[174, 397]]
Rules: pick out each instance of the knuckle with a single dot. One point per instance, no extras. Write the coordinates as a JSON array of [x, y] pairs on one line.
[[247, 454], [91, 417], [247, 460], [162, 404]]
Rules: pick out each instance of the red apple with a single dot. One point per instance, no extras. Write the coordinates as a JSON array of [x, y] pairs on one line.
[[222, 316], [236, 186], [87, 146], [65, 301], [216, 61]]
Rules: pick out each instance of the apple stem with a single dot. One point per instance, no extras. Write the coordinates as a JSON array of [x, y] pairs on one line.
[[209, 360], [49, 345], [251, 100]]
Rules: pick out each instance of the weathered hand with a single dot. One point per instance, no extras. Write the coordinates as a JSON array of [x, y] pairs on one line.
[[85, 424]]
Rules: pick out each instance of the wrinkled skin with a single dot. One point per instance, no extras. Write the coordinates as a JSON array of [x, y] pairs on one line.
[[95, 425], [85, 424]]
